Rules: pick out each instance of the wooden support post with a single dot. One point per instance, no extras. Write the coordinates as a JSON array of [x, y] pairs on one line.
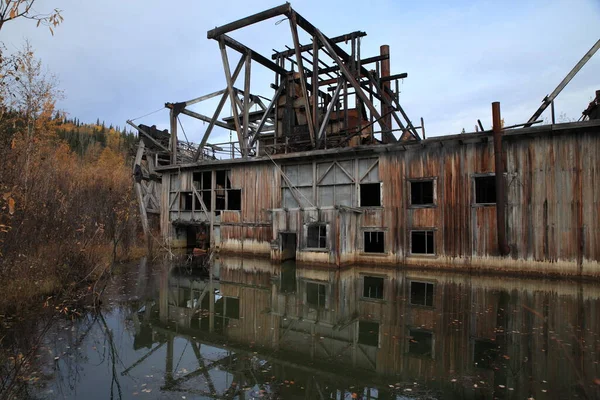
[[334, 99], [309, 120], [246, 132], [139, 195], [386, 110], [173, 144], [232, 95], [500, 185], [315, 83]]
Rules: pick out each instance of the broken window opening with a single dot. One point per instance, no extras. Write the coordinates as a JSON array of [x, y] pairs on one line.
[[316, 237], [226, 198], [315, 295], [374, 242], [185, 201], [368, 333], [421, 294], [422, 242], [485, 189], [202, 180], [420, 343], [370, 195], [373, 287], [421, 193]]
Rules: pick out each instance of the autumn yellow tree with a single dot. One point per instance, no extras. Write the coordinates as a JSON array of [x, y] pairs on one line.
[[11, 10]]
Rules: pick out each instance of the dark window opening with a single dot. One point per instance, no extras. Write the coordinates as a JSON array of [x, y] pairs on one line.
[[315, 295], [234, 199], [421, 193], [485, 189], [422, 242], [374, 242], [368, 333], [373, 287], [223, 180], [421, 294], [226, 198], [185, 201], [206, 198], [232, 307], [484, 354], [316, 237], [420, 343], [370, 195]]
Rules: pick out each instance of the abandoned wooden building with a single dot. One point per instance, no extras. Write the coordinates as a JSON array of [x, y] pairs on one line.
[[333, 171]]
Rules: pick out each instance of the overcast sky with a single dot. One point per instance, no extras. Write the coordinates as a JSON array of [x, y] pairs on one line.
[[121, 59]]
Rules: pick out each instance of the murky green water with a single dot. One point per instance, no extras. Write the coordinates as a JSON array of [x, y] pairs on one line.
[[255, 330]]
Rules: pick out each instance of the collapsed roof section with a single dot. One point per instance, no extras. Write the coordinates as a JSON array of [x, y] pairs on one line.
[[324, 96]]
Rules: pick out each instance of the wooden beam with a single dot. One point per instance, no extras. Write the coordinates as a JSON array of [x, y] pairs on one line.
[[215, 117], [201, 117], [246, 105], [393, 77], [140, 197], [309, 120], [235, 45], [205, 97], [315, 83], [252, 19], [549, 99], [173, 144], [232, 95], [306, 47], [334, 99], [266, 114]]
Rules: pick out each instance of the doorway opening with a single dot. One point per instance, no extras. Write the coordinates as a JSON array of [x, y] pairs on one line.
[[288, 246], [198, 237]]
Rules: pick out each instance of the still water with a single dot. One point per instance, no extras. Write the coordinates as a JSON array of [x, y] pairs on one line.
[[255, 330]]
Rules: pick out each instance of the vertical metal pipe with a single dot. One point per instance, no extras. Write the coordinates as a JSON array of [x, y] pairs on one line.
[[423, 128], [552, 110], [385, 72], [500, 184]]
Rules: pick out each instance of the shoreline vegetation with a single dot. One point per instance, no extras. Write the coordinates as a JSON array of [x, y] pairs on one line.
[[67, 206], [68, 212]]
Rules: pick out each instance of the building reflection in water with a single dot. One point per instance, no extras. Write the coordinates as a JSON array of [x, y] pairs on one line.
[[373, 331]]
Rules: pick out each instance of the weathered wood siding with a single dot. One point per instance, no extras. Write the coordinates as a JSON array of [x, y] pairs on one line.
[[553, 206]]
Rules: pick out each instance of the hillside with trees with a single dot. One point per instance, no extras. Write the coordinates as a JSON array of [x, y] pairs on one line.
[[67, 208]]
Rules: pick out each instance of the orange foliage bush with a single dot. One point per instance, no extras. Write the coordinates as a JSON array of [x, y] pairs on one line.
[[56, 207]]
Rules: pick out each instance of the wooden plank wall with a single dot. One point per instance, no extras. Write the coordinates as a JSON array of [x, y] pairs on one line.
[[553, 207]]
